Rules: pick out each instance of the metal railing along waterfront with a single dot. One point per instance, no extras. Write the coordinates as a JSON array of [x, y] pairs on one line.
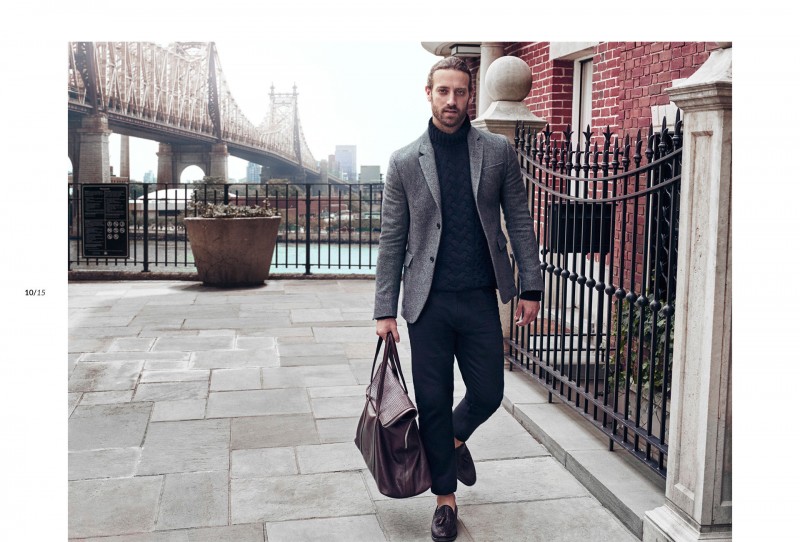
[[324, 228], [607, 223]]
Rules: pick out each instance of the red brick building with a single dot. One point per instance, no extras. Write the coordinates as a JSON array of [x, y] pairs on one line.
[[615, 84]]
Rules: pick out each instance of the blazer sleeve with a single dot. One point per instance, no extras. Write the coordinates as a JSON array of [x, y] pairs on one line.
[[392, 243], [519, 224]]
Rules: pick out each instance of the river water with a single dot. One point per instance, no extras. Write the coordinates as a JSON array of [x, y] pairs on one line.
[[177, 256]]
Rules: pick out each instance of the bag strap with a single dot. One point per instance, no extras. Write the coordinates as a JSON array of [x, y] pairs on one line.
[[391, 358], [394, 356]]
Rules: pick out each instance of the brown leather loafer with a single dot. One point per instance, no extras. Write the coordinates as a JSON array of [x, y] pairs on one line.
[[465, 467], [444, 526]]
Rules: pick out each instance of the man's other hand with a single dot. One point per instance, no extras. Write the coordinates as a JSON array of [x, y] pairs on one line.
[[526, 312], [386, 325]]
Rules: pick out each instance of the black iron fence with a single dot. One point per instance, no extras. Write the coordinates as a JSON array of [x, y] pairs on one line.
[[606, 218], [324, 228]]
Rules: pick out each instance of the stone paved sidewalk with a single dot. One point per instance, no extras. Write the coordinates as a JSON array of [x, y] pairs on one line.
[[198, 414]]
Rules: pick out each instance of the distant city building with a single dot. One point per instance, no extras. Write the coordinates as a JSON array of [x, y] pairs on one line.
[[253, 172], [333, 166], [346, 157], [149, 177], [370, 174]]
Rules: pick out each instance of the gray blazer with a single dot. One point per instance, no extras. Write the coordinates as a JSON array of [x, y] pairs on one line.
[[412, 217]]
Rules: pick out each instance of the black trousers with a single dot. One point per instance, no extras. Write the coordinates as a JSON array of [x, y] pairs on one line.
[[464, 325]]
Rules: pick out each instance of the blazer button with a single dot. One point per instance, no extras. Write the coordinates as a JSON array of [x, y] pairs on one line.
[[438, 226], [431, 258]]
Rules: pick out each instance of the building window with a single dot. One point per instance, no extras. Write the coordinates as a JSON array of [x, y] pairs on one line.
[[582, 98]]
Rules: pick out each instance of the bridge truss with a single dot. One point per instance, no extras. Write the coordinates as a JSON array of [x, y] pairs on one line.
[[180, 88]]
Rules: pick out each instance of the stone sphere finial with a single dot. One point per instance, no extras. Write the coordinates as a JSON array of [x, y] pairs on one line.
[[509, 79]]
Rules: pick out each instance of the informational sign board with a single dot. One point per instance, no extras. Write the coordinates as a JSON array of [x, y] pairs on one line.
[[105, 220]]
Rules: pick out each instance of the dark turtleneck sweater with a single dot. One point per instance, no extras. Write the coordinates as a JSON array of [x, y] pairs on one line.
[[463, 262]]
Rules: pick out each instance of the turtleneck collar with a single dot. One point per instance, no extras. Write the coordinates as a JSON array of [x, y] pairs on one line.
[[443, 138]]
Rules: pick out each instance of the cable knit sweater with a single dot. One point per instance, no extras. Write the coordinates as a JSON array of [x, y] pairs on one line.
[[463, 262]]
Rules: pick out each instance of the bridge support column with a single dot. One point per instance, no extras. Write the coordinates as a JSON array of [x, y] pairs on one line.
[[166, 164], [93, 158], [125, 157], [218, 158], [698, 503]]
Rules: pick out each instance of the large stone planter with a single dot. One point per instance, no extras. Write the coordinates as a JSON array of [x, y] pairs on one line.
[[233, 251]]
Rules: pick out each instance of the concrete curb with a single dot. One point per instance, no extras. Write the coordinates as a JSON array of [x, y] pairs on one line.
[[621, 483]]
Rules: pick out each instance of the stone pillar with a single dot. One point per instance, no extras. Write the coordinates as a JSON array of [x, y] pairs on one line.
[[125, 157], [94, 160], [698, 496], [219, 161], [509, 81], [490, 51], [166, 166]]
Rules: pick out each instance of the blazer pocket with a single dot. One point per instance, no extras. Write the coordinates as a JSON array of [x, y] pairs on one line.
[[490, 166], [407, 261]]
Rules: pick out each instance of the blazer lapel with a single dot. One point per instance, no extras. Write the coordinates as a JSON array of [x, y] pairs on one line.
[[475, 144], [428, 164]]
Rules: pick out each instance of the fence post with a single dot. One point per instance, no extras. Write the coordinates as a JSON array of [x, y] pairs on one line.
[[698, 504], [308, 229], [145, 213]]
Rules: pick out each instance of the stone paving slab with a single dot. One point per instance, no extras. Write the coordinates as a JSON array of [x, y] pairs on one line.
[[175, 375], [337, 430], [108, 426], [287, 361], [166, 364], [108, 463], [85, 344], [104, 376], [235, 404], [334, 457], [106, 397], [185, 446], [337, 407], [250, 532], [246, 378], [311, 350], [333, 335], [307, 377], [131, 344], [303, 316], [134, 356], [230, 359], [193, 344], [263, 462], [351, 529], [194, 499], [171, 391], [115, 506], [306, 496], [182, 409], [557, 520], [512, 480], [273, 431], [256, 343]]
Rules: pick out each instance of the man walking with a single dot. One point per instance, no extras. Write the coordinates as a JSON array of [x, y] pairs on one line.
[[441, 237]]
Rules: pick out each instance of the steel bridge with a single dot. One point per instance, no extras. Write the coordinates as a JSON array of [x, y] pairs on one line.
[[177, 95]]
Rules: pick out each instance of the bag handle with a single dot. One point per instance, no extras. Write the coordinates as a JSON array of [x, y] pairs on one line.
[[391, 358]]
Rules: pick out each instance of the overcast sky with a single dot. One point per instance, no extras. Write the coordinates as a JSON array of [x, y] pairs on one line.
[[368, 94]]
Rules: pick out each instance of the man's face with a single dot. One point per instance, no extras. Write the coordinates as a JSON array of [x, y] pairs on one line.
[[449, 98]]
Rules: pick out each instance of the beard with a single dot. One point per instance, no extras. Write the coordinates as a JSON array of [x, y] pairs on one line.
[[442, 114]]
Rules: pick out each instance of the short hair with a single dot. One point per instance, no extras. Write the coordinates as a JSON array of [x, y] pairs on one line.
[[451, 63]]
